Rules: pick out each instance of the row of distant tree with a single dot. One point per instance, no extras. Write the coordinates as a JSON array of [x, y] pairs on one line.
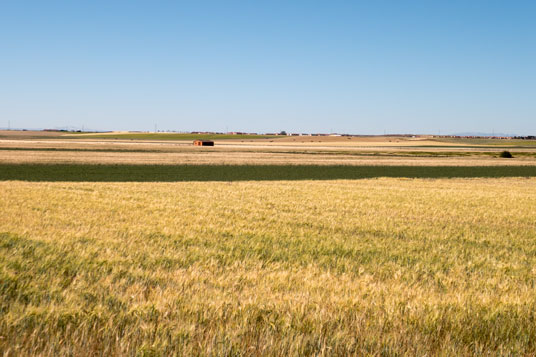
[[529, 137]]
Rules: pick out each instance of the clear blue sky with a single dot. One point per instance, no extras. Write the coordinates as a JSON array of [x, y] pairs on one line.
[[308, 66]]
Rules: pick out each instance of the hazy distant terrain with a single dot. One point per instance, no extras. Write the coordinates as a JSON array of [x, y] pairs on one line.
[[112, 245]]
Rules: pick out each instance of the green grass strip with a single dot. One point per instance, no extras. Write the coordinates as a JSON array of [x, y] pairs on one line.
[[78, 150], [172, 173]]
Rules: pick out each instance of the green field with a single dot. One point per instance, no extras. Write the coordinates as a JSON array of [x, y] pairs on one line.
[[171, 173], [488, 142], [59, 149]]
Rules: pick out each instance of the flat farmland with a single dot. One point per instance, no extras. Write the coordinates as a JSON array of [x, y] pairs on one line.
[[265, 247], [261, 156], [377, 266], [379, 151]]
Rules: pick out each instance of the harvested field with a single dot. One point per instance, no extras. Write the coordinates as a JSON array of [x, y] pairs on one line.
[[220, 157], [229, 153]]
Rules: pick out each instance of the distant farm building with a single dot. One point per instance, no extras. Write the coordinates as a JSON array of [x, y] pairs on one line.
[[203, 143]]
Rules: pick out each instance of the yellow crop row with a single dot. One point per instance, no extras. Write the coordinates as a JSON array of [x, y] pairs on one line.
[[380, 266]]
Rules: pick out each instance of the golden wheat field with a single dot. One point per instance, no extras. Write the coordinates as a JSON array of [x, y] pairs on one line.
[[343, 267]]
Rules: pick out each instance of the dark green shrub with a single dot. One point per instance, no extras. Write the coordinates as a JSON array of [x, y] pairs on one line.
[[506, 154]]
